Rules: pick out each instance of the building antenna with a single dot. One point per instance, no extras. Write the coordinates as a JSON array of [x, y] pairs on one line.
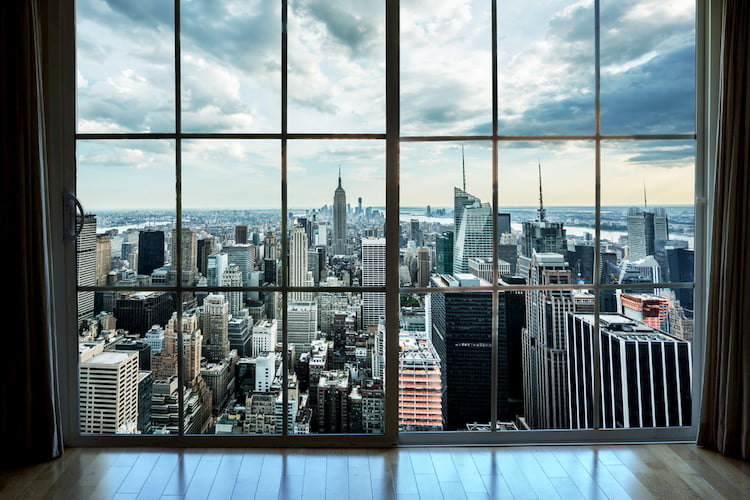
[[645, 204], [339, 174], [541, 203], [463, 166]]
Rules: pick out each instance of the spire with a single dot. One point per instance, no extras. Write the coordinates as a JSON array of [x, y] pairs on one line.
[[463, 166], [645, 204], [340, 176], [541, 203]]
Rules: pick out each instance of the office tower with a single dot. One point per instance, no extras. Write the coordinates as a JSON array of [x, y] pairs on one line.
[[461, 333], [242, 256], [299, 275], [240, 234], [218, 378], [265, 370], [103, 258], [150, 251], [233, 277], [581, 261], [373, 406], [503, 223], [189, 250], [164, 418], [214, 321], [155, 338], [444, 253], [461, 199], [302, 324], [265, 333], [215, 266], [545, 377], [420, 403], [515, 321], [331, 403], [473, 236], [640, 233], [86, 266], [142, 348], [321, 238], [271, 246], [423, 267], [415, 232], [645, 308], [260, 414], [645, 374], [373, 274], [270, 271], [240, 331], [108, 392], [482, 268], [137, 312], [682, 270], [206, 247], [164, 364], [129, 254], [507, 250], [541, 235], [328, 305], [145, 393], [340, 246]]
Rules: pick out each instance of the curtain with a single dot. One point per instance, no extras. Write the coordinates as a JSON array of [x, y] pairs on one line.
[[725, 411], [30, 424]]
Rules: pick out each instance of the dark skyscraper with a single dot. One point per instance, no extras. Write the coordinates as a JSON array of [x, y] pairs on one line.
[[462, 337], [682, 270], [339, 220], [150, 251], [240, 234], [444, 253]]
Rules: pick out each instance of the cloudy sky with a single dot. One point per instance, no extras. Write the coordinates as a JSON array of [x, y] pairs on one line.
[[231, 82]]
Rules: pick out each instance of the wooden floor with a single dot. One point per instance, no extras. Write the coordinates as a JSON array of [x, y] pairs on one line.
[[624, 471]]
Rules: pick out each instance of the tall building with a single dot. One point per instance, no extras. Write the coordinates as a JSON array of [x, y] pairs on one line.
[[541, 235], [242, 256], [265, 333], [444, 253], [150, 251], [240, 331], [206, 247], [339, 220], [473, 237], [86, 266], [240, 234], [232, 276], [645, 374], [423, 267], [420, 396], [109, 392], [545, 374], [682, 270], [302, 324], [299, 274], [373, 274], [214, 320], [103, 258], [189, 251], [216, 265], [137, 312], [461, 333]]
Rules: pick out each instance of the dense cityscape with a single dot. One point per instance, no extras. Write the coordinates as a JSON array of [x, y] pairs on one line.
[[233, 370]]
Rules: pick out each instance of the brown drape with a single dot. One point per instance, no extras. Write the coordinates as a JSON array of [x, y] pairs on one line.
[[725, 412], [30, 425]]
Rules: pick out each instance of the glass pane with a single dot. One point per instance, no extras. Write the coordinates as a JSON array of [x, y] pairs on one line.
[[440, 183], [127, 190], [231, 66], [546, 192], [546, 67], [647, 192], [648, 67], [126, 359], [336, 385], [446, 68], [336, 212], [336, 66], [232, 216], [125, 64]]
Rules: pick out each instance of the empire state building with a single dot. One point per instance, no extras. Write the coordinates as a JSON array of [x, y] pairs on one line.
[[339, 220]]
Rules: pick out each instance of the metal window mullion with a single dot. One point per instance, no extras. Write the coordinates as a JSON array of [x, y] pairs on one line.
[[392, 145], [495, 209], [177, 250], [284, 207], [596, 347]]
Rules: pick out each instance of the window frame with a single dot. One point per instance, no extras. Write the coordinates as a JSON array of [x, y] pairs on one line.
[[59, 72]]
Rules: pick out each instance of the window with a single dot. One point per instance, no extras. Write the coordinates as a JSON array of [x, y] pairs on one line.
[[386, 218]]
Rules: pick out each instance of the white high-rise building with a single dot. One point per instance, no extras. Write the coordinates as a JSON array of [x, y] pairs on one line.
[[473, 236], [339, 220], [373, 274], [265, 370], [86, 265], [299, 275], [109, 392], [217, 264], [302, 322], [265, 334], [232, 276]]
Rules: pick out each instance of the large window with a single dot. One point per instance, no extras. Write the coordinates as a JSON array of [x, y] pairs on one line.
[[445, 221]]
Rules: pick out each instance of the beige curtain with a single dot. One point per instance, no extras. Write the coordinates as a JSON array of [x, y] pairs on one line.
[[725, 412], [30, 425]]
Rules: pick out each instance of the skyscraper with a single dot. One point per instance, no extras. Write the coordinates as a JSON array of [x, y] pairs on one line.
[[473, 235], [339, 220], [541, 235], [240, 234], [103, 258], [545, 375], [232, 276], [189, 250], [373, 274], [86, 265], [150, 251], [640, 233], [444, 253], [214, 325]]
